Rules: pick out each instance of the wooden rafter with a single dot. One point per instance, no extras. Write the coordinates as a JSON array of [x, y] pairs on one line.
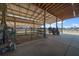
[[17, 11], [26, 8], [22, 13], [62, 8], [28, 11], [11, 18], [50, 6], [56, 5], [36, 8], [42, 5], [57, 8]]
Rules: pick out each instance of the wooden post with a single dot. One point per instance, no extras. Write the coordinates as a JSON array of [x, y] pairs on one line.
[[15, 29], [3, 8], [50, 25], [33, 24], [44, 24], [33, 30], [62, 27], [56, 23], [26, 30]]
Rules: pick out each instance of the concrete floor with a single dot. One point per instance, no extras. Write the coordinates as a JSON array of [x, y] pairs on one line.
[[50, 46]]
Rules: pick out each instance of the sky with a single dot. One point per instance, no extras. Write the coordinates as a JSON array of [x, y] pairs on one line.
[[71, 22], [67, 23]]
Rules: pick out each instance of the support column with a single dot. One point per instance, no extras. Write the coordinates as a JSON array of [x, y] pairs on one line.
[[56, 23], [26, 30], [15, 29], [3, 9], [62, 27], [33, 33], [44, 24], [33, 24], [50, 25]]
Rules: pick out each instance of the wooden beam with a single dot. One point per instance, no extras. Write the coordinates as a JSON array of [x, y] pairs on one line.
[[42, 5], [43, 15], [53, 4], [39, 5], [34, 12], [23, 20], [46, 5], [39, 14], [25, 8], [22, 13], [53, 7], [59, 11], [57, 8], [62, 9]]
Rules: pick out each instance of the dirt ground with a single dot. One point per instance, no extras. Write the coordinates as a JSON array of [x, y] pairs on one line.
[[62, 45]]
